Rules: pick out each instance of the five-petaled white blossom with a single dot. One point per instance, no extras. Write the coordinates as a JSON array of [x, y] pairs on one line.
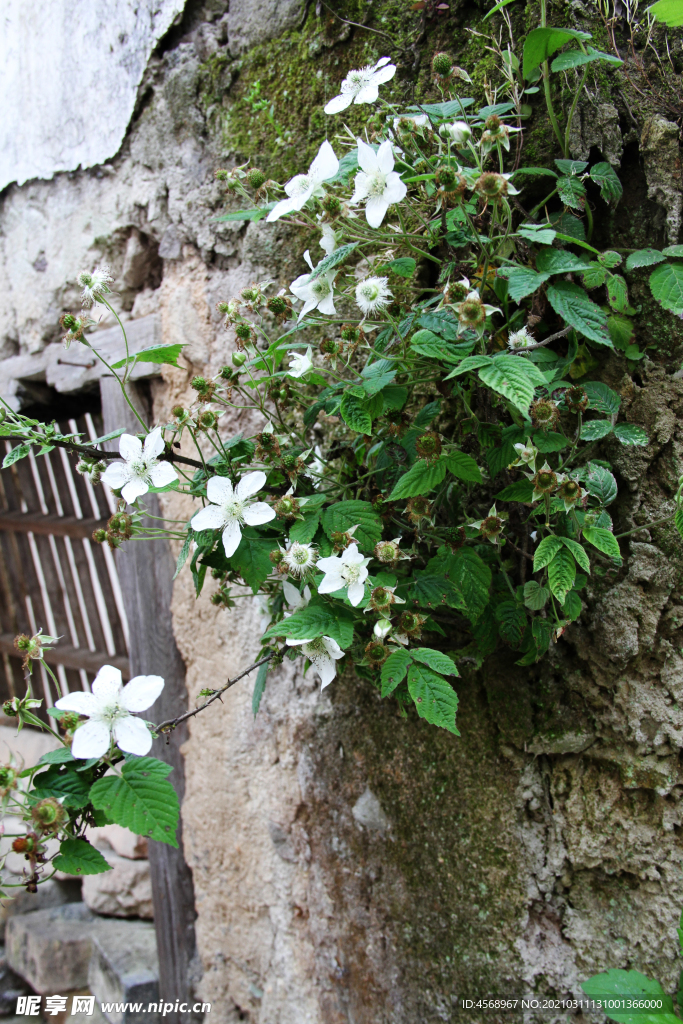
[[110, 709], [141, 469], [372, 295], [231, 508], [362, 86], [322, 653], [315, 292], [347, 570], [377, 182], [300, 363], [94, 284], [299, 558], [303, 187]]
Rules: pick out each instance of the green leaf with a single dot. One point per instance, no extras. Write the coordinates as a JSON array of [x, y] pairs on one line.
[[67, 784], [593, 430], [259, 687], [562, 573], [522, 281], [673, 250], [669, 12], [600, 483], [603, 540], [644, 258], [20, 451], [604, 175], [610, 259], [593, 276], [630, 433], [576, 58], [394, 396], [541, 43], [355, 413], [617, 293], [313, 621], [578, 551], [304, 530], [541, 234], [494, 10], [546, 551], [558, 261], [251, 560], [333, 260], [404, 266], [601, 398], [78, 857], [394, 671], [572, 605], [513, 377], [469, 364], [430, 590], [541, 630], [427, 413], [573, 304], [472, 576], [435, 699], [156, 354], [377, 375], [678, 523], [550, 441], [59, 756], [141, 799], [421, 478], [572, 192], [462, 466], [621, 331], [535, 596], [256, 214], [666, 285], [617, 986], [521, 490], [341, 517], [512, 623], [428, 344], [435, 660], [183, 553], [442, 322]]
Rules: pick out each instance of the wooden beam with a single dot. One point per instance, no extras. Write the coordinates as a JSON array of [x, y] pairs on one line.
[[57, 526], [72, 657]]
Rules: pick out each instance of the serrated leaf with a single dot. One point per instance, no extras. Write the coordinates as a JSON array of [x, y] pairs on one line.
[[511, 377], [631, 433], [59, 756], [442, 322], [571, 609], [562, 573], [184, 553], [251, 560], [468, 364], [356, 413], [256, 214], [512, 623], [666, 285], [427, 343], [162, 354], [430, 590], [541, 43], [78, 857], [550, 441], [427, 413], [617, 293], [603, 540], [435, 699], [546, 551], [521, 490], [435, 660], [421, 478], [333, 260], [600, 483], [610, 259], [20, 451], [578, 551], [604, 175], [644, 258], [304, 530], [602, 398], [462, 466], [593, 276], [535, 596], [404, 266], [540, 235], [259, 687], [313, 621], [66, 784], [678, 523], [593, 430], [377, 375], [522, 281], [394, 396], [576, 58], [573, 304], [621, 331], [572, 192], [472, 576], [341, 517], [141, 799], [617, 986], [394, 671], [558, 261]]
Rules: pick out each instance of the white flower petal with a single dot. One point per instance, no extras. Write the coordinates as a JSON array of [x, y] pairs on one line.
[[292, 595], [381, 62], [116, 475], [356, 593], [333, 648], [385, 158], [326, 669], [81, 703], [162, 474], [362, 185], [232, 535], [367, 158], [291, 642], [132, 735], [134, 489], [385, 75], [250, 484], [298, 186], [154, 443], [141, 692], [283, 207], [368, 94], [331, 583], [219, 490], [209, 518], [325, 164], [330, 564], [326, 305], [339, 103], [107, 683], [375, 210], [91, 740], [396, 189], [130, 448], [258, 513]]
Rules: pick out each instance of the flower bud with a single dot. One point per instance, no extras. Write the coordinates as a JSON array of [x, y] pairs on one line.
[[255, 178], [48, 814], [458, 133], [442, 66]]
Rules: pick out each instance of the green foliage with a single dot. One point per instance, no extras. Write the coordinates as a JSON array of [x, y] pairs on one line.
[[167, 354], [78, 857], [313, 621], [141, 798], [666, 285], [573, 304]]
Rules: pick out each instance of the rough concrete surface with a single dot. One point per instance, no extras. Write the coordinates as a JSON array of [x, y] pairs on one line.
[[350, 866]]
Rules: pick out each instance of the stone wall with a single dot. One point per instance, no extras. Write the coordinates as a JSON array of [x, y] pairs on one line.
[[350, 866]]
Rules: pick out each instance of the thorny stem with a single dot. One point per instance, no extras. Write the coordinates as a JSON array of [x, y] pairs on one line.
[[172, 723]]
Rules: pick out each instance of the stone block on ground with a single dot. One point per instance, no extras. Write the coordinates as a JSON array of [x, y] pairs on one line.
[[121, 840], [51, 893], [124, 969], [11, 987], [125, 891]]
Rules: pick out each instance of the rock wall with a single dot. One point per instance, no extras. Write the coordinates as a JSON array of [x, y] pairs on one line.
[[350, 866]]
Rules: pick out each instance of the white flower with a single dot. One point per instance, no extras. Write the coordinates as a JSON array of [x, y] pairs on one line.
[[382, 628], [520, 339], [316, 293], [109, 708], [345, 570], [299, 558], [300, 364], [322, 653], [231, 508], [142, 469], [303, 187], [372, 294], [94, 285], [294, 599], [377, 182], [362, 86], [459, 132], [328, 242], [419, 120]]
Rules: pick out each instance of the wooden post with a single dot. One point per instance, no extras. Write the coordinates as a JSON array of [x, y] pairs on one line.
[[146, 574]]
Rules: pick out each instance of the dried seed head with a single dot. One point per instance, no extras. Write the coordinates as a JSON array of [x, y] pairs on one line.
[[544, 414], [48, 814], [428, 446], [570, 492], [376, 652], [576, 400], [418, 508]]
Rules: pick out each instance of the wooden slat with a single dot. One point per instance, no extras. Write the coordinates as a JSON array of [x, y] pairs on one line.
[[58, 526], [72, 657]]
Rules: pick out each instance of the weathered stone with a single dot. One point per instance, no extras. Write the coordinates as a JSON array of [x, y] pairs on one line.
[[121, 840], [368, 812], [661, 154], [251, 22], [125, 891], [11, 987], [124, 968], [52, 893], [51, 949]]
